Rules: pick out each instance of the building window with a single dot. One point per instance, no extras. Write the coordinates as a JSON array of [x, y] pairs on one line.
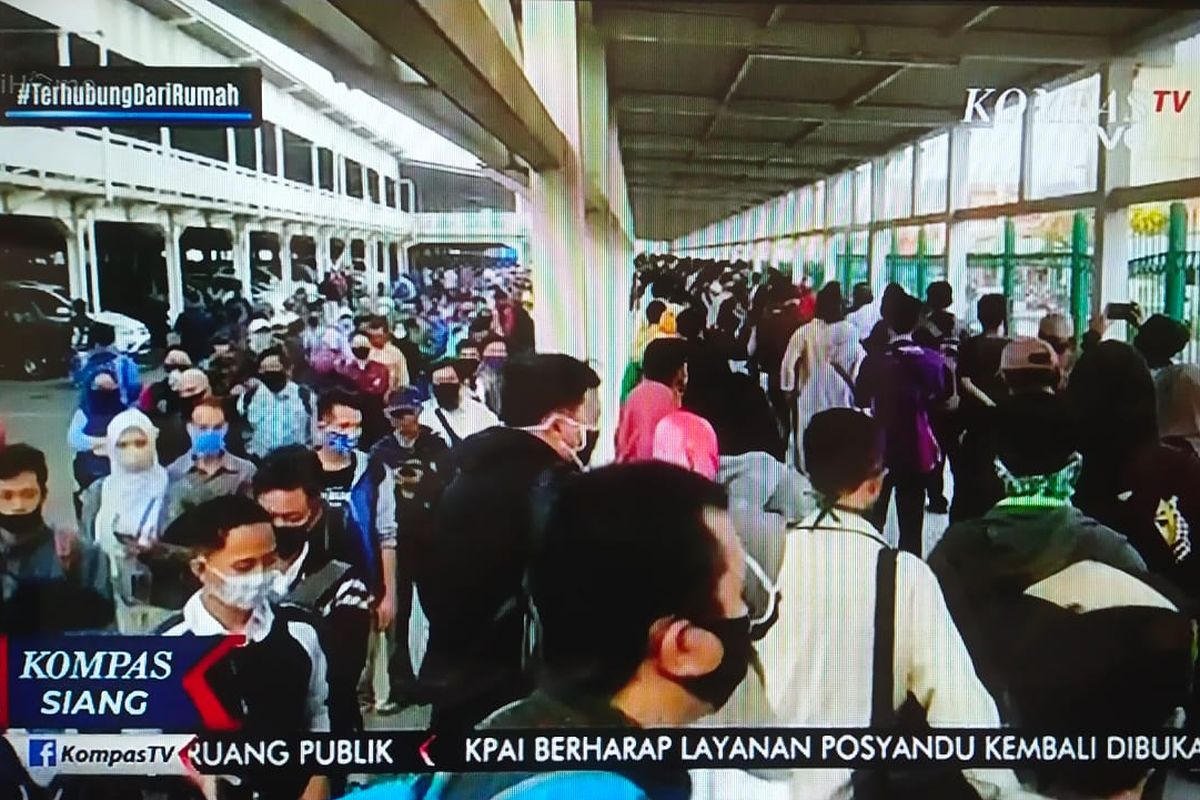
[[354, 178], [1062, 120], [209, 142], [268, 148], [862, 194], [83, 53], [297, 158], [933, 167], [897, 184], [373, 185], [25, 40], [243, 147], [325, 168], [994, 158], [389, 192]]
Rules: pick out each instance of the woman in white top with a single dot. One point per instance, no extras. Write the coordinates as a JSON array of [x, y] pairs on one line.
[[122, 514]]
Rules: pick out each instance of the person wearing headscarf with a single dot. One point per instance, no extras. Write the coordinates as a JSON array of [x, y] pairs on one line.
[[122, 515], [1177, 389], [808, 347], [830, 384], [687, 440], [1131, 481], [101, 402], [659, 393]]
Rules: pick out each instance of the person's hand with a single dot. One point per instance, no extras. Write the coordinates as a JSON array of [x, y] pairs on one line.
[[1136, 317], [385, 612], [317, 789], [67, 547], [99, 444], [1099, 324]]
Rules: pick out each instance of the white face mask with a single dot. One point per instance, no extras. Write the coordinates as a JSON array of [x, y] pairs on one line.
[[247, 591]]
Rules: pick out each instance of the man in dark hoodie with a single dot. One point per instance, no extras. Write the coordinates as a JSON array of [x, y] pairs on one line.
[[1027, 537], [471, 586]]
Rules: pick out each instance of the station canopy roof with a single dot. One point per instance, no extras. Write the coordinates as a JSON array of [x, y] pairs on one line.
[[721, 106]]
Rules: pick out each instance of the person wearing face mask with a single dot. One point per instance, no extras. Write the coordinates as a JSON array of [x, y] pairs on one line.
[[276, 682], [173, 439], [277, 411], [259, 336], [208, 469], [410, 439], [660, 392], [637, 584], [30, 550], [370, 380], [162, 396], [317, 570], [836, 558], [361, 491], [89, 425], [122, 515], [471, 586], [452, 413], [487, 382]]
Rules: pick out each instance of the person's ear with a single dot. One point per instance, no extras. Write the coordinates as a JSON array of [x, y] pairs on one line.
[[875, 486], [683, 649], [198, 567]]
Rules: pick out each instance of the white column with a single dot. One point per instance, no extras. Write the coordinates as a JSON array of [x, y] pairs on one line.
[[322, 243], [279, 150], [258, 150], [316, 166], [559, 259], [285, 259], [1110, 276], [241, 255], [171, 234], [64, 49], [73, 253], [230, 147], [958, 239]]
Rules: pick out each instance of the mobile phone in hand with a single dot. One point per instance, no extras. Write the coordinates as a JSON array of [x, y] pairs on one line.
[[1120, 312]]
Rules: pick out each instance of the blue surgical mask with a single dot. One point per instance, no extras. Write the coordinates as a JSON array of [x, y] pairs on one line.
[[208, 442], [341, 442]]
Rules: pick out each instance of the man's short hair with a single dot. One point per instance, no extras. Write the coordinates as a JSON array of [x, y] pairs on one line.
[[206, 527], [842, 448], [663, 358], [277, 352], [288, 468], [939, 295], [19, 458], [654, 311], [689, 323], [619, 548], [535, 384], [992, 310], [210, 402], [336, 396], [378, 323], [103, 334], [905, 314]]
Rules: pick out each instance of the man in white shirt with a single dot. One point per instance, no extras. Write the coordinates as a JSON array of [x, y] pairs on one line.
[[819, 659], [452, 413]]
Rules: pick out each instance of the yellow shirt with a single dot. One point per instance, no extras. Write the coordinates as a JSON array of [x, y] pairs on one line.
[[390, 356]]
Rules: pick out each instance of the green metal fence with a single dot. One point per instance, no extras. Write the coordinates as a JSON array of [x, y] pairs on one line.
[[815, 272], [1164, 272], [915, 273], [851, 269], [1035, 284]]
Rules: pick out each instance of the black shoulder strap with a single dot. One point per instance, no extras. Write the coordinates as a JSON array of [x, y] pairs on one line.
[[883, 712], [309, 591], [441, 415]]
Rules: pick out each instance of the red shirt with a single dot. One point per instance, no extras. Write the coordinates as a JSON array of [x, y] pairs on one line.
[[370, 378]]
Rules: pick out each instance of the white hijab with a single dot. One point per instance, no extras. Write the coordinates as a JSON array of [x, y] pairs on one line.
[[130, 502]]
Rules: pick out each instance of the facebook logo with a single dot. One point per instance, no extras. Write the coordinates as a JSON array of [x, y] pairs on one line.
[[43, 753]]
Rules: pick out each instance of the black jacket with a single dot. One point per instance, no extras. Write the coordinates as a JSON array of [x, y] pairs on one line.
[[474, 569]]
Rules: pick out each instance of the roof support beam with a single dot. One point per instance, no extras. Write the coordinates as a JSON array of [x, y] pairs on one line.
[[855, 44], [457, 48], [661, 166], [878, 115], [748, 149]]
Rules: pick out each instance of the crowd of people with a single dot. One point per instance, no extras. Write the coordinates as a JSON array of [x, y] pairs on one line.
[[297, 482]]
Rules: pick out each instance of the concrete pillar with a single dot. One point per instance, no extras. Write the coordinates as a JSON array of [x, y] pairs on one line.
[[1110, 271], [316, 166], [279, 150], [258, 150], [230, 147], [172, 231], [241, 255], [321, 239], [285, 259], [558, 266], [958, 238]]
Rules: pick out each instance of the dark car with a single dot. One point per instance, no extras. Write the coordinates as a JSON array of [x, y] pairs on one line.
[[32, 344]]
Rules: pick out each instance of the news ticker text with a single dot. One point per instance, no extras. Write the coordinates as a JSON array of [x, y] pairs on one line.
[[540, 750], [131, 96]]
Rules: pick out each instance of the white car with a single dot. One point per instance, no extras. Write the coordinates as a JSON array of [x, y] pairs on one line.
[[133, 336]]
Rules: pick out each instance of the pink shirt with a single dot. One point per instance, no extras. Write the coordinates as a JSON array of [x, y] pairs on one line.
[[645, 407]]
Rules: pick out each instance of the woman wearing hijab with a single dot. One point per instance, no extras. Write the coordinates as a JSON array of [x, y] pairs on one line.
[[831, 383], [101, 402], [122, 514], [1177, 388], [1131, 481]]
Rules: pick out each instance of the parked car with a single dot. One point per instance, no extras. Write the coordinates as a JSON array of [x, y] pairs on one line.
[[133, 337], [32, 344]]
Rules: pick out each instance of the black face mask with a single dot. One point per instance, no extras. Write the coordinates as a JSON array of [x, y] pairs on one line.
[[447, 395], [470, 365], [590, 440], [716, 687], [21, 524], [290, 539], [274, 381], [361, 352]]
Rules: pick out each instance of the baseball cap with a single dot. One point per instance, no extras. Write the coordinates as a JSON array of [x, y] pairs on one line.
[[1055, 326], [1026, 352]]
